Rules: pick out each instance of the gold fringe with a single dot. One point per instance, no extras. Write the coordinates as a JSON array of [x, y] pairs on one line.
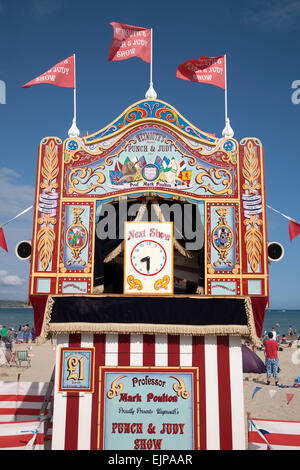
[[250, 320], [246, 331], [46, 321], [149, 328]]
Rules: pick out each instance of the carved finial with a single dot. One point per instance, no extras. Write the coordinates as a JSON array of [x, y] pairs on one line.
[[74, 131], [151, 93], [227, 131]]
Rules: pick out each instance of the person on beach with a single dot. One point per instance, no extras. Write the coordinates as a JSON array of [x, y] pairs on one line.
[[274, 332], [271, 354], [26, 333], [4, 332]]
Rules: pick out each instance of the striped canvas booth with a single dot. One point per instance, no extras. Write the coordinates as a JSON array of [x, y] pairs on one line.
[[21, 426], [270, 434], [218, 362]]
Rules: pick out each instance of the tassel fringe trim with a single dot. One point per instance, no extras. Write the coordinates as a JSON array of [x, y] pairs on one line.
[[246, 331]]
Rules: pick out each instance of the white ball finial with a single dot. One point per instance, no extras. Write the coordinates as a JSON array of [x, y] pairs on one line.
[[151, 93], [227, 131], [74, 131]]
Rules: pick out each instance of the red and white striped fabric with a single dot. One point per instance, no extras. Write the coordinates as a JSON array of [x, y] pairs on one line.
[[21, 435], [21, 401], [266, 434], [221, 400], [20, 405]]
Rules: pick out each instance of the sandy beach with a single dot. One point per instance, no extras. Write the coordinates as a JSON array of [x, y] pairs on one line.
[[269, 405], [42, 363], [269, 402]]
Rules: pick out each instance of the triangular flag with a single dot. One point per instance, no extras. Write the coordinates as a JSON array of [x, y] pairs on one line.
[[294, 229], [255, 391], [289, 397], [2, 240], [272, 393], [62, 74]]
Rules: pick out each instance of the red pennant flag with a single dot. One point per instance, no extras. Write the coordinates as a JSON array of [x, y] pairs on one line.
[[2, 240], [209, 70], [294, 229], [62, 74], [289, 397], [130, 41]]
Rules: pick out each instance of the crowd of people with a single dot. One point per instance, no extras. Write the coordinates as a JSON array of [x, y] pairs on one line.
[[25, 334]]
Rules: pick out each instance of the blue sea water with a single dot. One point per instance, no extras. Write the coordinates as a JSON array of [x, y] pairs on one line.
[[285, 318], [13, 317]]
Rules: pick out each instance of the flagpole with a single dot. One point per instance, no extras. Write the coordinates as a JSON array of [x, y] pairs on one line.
[[74, 131], [151, 93], [227, 131], [75, 110], [283, 215], [151, 83], [16, 216], [225, 64]]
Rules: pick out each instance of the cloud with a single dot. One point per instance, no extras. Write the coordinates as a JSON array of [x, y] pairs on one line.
[[9, 279], [275, 14], [15, 196]]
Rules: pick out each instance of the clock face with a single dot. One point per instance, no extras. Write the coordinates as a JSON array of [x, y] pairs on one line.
[[148, 257]]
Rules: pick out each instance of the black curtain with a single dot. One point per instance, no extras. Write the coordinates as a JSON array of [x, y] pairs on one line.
[[185, 222]]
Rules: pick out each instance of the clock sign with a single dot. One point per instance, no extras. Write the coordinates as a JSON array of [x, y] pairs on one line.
[[148, 258]]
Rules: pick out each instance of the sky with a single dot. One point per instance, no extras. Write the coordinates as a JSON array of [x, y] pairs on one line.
[[261, 41]]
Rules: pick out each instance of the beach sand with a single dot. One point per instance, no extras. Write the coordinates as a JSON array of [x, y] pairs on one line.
[[42, 358], [262, 405]]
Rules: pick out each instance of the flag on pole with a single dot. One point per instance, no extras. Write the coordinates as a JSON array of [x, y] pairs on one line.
[[209, 70], [130, 41], [294, 229], [294, 226], [62, 75], [2, 240]]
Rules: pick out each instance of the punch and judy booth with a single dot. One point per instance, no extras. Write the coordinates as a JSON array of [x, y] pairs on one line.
[[149, 266]]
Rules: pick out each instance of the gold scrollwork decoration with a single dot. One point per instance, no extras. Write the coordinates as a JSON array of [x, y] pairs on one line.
[[130, 116], [180, 388], [84, 176], [162, 283], [45, 239], [108, 160], [50, 167], [254, 241], [62, 268], [134, 283], [171, 116], [251, 170], [115, 388], [216, 176], [192, 159]]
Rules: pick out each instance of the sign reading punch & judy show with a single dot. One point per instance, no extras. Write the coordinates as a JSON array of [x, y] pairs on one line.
[[148, 409]]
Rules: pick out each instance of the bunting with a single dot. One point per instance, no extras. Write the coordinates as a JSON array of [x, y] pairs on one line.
[[2, 240]]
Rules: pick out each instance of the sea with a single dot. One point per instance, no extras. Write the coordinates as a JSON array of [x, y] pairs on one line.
[[14, 317]]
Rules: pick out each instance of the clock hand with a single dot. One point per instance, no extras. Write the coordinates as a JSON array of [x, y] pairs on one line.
[[147, 260]]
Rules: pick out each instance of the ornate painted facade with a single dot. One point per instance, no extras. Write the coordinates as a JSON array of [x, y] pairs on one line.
[[150, 150]]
